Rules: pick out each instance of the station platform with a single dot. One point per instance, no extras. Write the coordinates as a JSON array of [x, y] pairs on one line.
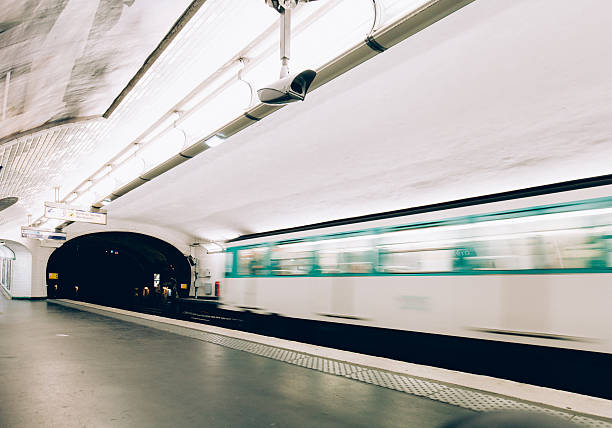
[[65, 363]]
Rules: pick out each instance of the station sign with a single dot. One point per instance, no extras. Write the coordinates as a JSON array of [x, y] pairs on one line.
[[32, 232], [53, 275], [64, 212]]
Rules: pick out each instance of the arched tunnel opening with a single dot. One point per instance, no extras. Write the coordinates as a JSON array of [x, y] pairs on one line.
[[120, 269]]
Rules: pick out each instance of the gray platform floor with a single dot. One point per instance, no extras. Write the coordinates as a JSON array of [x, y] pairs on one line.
[[67, 368]]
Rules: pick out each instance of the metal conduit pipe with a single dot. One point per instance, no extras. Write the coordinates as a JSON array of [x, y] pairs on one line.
[[375, 43]]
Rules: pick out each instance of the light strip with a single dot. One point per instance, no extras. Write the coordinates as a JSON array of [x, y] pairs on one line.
[[214, 141], [206, 24], [126, 154], [192, 100], [105, 170]]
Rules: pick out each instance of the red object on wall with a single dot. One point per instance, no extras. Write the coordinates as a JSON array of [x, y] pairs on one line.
[[217, 285]]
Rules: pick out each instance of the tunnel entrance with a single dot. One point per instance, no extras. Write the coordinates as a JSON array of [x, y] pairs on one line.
[[120, 269]]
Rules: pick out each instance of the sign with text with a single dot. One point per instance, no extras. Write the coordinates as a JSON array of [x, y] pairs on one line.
[[32, 232], [64, 212]]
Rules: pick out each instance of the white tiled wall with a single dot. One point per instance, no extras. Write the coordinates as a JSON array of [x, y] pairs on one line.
[[21, 277]]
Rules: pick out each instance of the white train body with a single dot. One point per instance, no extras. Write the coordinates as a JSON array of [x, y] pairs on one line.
[[536, 271]]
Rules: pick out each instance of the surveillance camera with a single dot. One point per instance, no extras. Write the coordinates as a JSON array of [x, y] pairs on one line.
[[288, 89]]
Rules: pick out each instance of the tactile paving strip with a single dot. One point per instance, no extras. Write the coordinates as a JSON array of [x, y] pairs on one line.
[[589, 422], [484, 402], [397, 382], [456, 396], [325, 365]]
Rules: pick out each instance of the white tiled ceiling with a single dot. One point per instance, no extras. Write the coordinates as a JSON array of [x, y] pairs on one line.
[[33, 164], [65, 62], [484, 102], [73, 73], [70, 58]]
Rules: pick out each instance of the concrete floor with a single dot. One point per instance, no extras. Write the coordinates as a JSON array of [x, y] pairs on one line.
[[63, 367]]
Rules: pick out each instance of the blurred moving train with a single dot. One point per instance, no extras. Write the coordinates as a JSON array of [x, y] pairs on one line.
[[534, 270]]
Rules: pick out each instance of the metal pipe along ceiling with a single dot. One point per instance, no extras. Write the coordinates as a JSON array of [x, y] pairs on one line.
[[375, 43]]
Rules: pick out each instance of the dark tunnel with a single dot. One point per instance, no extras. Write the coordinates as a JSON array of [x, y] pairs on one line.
[[121, 269]]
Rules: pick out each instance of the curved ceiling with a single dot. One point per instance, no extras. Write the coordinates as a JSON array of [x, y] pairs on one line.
[[498, 96], [62, 63], [65, 59]]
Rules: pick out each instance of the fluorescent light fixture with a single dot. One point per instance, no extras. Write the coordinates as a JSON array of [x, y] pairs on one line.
[[103, 187], [162, 148], [71, 197], [342, 27], [208, 42], [105, 201], [101, 173], [176, 137], [214, 141], [393, 10], [217, 80], [86, 198], [85, 186], [132, 148], [322, 31], [159, 129], [128, 170], [215, 113]]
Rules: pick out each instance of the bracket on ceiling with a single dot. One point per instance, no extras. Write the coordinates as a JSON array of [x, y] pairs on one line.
[[284, 7], [281, 5]]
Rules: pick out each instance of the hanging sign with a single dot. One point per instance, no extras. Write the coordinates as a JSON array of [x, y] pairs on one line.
[[64, 212], [32, 232]]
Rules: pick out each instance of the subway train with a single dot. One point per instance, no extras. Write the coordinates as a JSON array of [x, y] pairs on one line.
[[531, 270]]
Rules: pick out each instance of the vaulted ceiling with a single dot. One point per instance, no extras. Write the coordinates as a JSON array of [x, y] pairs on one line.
[[62, 63], [81, 80], [497, 96]]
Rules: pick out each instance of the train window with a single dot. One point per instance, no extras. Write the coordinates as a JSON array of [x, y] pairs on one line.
[[252, 261], [352, 260], [291, 260], [328, 262], [229, 262], [540, 238], [353, 255], [356, 260], [580, 249], [559, 249], [413, 258], [398, 261]]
